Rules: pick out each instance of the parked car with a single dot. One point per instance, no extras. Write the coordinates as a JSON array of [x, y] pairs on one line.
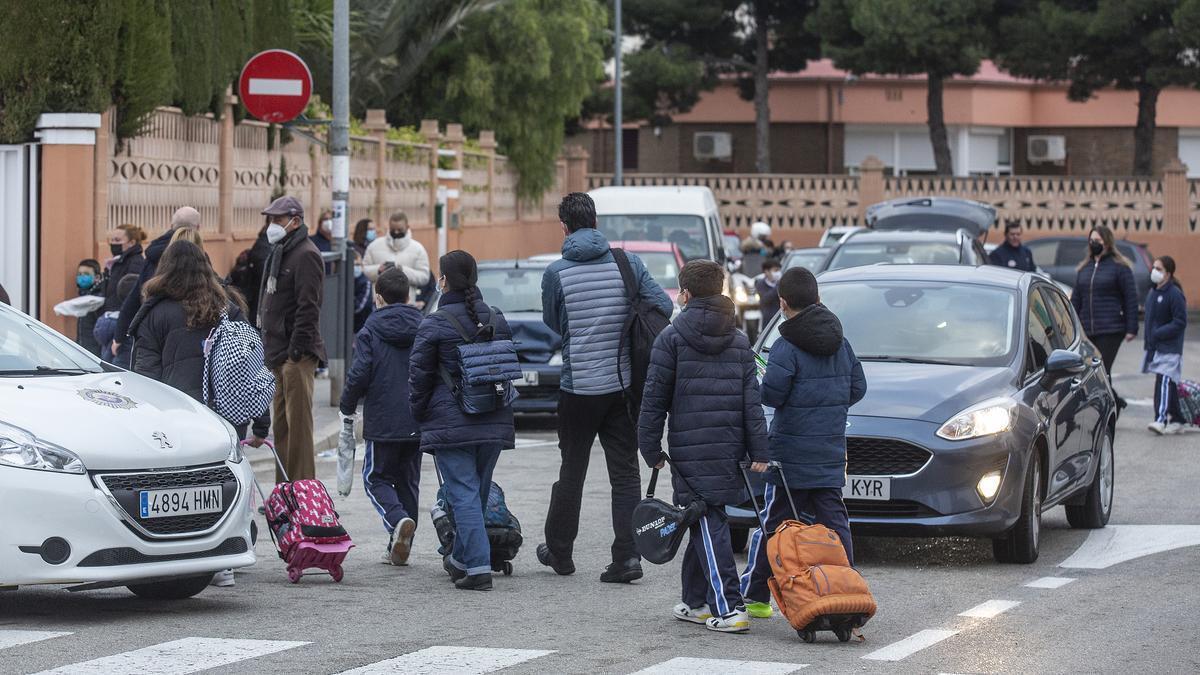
[[1060, 256], [984, 408], [812, 259], [684, 215], [835, 234], [942, 214], [956, 247], [144, 487]]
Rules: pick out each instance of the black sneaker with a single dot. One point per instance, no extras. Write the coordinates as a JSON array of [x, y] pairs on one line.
[[622, 572], [475, 582], [563, 567], [455, 573]]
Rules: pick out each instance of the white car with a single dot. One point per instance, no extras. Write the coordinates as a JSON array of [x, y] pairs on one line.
[[108, 478]]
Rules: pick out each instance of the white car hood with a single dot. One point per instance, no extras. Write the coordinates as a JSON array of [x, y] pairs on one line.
[[115, 420]]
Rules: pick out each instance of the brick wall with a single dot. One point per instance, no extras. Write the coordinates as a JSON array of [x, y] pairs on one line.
[[1094, 151]]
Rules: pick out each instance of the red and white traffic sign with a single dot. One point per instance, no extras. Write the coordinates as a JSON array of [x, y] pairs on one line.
[[275, 85]]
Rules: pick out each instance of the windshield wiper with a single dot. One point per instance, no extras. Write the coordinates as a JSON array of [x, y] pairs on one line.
[[47, 370], [908, 359]]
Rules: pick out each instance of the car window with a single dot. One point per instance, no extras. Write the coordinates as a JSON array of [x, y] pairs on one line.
[[1060, 314], [852, 254], [512, 289], [26, 346], [1041, 332], [1071, 252], [663, 266], [689, 233], [1043, 252], [810, 260], [1131, 252]]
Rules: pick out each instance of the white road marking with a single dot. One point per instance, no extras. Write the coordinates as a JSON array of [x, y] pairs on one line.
[[189, 655], [450, 661], [989, 609], [1049, 582], [686, 666], [1118, 543], [1147, 402], [533, 442], [910, 645], [266, 86], [13, 638]]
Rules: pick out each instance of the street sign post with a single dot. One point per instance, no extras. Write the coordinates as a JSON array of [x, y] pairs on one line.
[[275, 86]]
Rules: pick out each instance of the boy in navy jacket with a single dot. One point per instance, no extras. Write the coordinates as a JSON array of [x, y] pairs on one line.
[[702, 372], [812, 379], [392, 466]]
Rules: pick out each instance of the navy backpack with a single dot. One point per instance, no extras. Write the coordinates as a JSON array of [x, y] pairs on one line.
[[488, 368]]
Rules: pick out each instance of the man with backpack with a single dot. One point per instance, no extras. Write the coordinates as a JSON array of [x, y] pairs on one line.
[[594, 297]]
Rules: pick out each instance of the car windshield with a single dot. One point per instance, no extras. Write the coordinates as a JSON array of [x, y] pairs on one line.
[[733, 245], [28, 349], [512, 289], [686, 232], [663, 266], [853, 254], [958, 324], [809, 260]]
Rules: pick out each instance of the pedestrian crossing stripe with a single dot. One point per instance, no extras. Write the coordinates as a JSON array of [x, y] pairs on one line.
[[177, 657], [13, 638], [910, 645], [450, 660], [687, 666]]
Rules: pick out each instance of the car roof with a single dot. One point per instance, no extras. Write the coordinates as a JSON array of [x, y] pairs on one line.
[[949, 213], [649, 200], [511, 263], [645, 246], [902, 235], [988, 275]]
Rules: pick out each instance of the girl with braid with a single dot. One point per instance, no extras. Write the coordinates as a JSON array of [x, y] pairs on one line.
[[465, 446]]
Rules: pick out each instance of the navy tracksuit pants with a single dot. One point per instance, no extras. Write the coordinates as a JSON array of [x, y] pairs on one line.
[[709, 572], [392, 478], [823, 506]]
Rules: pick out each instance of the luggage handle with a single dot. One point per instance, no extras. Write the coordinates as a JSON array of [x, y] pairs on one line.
[[786, 490], [263, 496]]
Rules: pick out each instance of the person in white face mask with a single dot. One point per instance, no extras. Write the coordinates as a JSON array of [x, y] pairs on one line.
[[401, 249]]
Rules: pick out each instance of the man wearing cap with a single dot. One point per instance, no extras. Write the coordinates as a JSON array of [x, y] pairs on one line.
[[184, 217], [289, 315]]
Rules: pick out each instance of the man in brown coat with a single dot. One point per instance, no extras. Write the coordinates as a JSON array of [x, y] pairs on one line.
[[289, 315]]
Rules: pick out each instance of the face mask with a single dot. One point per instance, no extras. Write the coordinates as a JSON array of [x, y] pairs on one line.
[[84, 281], [358, 270], [1157, 276], [398, 234], [371, 235], [275, 232], [773, 276], [1095, 247], [116, 249]]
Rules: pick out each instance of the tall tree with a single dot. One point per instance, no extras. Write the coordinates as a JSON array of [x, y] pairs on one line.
[[937, 38], [1092, 44]]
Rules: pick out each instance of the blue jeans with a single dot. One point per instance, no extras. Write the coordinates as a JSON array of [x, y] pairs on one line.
[[467, 473]]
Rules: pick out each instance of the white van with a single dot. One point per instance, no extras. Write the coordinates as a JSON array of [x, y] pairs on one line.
[[684, 215]]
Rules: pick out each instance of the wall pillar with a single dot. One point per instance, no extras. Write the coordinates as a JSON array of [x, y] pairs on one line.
[[452, 178], [487, 141], [870, 184], [1175, 198], [100, 187], [225, 170], [67, 231], [316, 156], [577, 165], [429, 130], [378, 126]]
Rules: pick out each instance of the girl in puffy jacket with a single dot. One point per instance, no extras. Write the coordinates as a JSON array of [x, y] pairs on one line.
[[465, 446], [1105, 298], [1166, 321]]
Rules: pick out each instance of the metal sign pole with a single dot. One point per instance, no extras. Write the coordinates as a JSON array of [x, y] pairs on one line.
[[339, 152], [618, 142]]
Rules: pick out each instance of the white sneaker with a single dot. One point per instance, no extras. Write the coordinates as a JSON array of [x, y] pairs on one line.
[[222, 579], [1172, 429], [1157, 427], [737, 621], [693, 614], [402, 544]]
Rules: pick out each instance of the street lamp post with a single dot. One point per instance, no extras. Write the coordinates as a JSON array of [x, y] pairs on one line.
[[619, 144], [339, 152]]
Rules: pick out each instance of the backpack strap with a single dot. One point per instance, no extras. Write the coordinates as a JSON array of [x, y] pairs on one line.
[[467, 339], [622, 260], [456, 324]]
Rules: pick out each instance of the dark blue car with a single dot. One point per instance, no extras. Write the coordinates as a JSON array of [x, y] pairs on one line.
[[985, 405]]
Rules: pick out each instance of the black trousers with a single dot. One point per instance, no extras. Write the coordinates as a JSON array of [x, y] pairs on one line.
[[580, 420], [1166, 401], [1109, 344]]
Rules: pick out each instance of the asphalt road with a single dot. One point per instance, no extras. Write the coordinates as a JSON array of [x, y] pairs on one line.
[[1137, 614]]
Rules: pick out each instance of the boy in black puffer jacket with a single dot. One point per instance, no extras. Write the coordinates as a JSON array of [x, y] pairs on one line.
[[702, 372]]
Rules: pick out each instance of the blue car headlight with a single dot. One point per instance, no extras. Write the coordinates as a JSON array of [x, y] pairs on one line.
[[984, 419], [21, 449]]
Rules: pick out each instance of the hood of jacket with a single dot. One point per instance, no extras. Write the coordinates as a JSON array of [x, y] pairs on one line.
[[585, 244], [814, 329], [397, 245], [395, 324], [707, 324]]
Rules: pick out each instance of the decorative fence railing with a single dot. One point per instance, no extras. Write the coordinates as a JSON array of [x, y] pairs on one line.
[[1169, 204]]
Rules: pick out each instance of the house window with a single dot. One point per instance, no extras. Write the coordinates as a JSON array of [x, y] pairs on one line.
[[893, 94]]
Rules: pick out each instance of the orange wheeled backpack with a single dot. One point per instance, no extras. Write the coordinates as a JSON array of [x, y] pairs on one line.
[[811, 578]]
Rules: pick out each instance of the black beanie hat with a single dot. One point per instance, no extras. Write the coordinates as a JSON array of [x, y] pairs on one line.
[[460, 270]]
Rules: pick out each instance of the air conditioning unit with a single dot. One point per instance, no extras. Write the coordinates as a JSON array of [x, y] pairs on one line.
[[1043, 149], [716, 145]]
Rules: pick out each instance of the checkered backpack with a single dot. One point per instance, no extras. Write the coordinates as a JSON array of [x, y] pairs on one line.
[[1189, 401], [238, 385]]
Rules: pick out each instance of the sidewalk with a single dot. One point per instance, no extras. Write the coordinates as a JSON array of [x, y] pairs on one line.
[[326, 426]]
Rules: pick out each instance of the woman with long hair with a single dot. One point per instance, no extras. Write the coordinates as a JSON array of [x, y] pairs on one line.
[[465, 446], [364, 234], [188, 234], [1105, 297], [1166, 321]]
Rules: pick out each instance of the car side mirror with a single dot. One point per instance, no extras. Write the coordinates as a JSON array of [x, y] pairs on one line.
[[1060, 364]]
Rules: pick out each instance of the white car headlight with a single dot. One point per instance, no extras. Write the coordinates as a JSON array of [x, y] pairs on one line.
[[22, 449], [236, 455], [985, 419], [740, 296]]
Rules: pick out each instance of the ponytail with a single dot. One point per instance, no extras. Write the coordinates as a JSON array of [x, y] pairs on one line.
[[472, 296]]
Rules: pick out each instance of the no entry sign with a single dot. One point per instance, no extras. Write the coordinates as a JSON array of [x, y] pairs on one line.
[[275, 85]]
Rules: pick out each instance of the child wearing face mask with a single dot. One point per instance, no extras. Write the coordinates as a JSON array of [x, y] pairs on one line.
[[767, 288], [88, 281], [1166, 321], [379, 377]]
